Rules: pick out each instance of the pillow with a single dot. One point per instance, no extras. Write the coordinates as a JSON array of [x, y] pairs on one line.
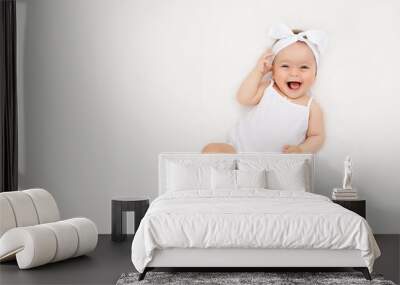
[[223, 179], [185, 177], [237, 179], [282, 174], [251, 178], [188, 174], [293, 179]]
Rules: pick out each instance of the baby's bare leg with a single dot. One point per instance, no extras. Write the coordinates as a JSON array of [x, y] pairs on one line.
[[218, 148]]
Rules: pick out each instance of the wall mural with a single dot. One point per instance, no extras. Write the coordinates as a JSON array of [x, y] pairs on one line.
[[284, 117]]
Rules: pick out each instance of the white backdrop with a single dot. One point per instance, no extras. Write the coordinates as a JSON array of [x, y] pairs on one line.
[[104, 86]]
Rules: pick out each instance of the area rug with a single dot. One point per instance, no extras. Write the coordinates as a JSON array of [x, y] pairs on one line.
[[269, 278]]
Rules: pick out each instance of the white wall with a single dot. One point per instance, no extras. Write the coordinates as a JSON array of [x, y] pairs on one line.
[[107, 85]]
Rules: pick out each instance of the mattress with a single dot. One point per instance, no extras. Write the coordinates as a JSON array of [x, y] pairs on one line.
[[250, 218]]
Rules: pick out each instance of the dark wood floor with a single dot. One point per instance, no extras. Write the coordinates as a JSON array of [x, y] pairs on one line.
[[111, 259]]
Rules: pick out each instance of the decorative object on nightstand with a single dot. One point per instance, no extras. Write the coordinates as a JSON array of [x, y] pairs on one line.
[[344, 194], [347, 192], [119, 207], [357, 206], [348, 173]]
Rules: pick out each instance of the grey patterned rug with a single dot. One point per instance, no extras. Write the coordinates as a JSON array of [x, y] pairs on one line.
[[270, 278]]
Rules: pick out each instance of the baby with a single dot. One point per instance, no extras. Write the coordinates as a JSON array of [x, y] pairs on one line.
[[285, 118]]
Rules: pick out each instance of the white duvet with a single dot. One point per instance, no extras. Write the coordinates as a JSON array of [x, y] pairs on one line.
[[250, 218]]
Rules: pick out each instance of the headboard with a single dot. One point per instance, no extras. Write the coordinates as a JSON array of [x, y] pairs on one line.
[[215, 157]]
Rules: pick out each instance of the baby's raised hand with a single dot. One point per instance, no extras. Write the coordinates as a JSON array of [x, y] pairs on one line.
[[264, 64], [291, 149]]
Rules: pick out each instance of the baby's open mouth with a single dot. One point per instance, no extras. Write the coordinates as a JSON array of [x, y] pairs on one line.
[[294, 85]]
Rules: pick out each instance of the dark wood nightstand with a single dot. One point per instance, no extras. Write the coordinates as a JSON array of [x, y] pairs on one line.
[[357, 206], [119, 207]]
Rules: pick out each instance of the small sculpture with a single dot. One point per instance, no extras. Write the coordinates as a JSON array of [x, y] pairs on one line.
[[347, 173]]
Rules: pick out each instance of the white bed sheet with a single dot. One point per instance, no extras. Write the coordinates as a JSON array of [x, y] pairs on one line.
[[250, 218]]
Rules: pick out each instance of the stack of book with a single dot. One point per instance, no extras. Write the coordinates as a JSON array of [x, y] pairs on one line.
[[344, 194]]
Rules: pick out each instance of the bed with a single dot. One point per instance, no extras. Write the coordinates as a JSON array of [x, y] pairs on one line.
[[247, 210]]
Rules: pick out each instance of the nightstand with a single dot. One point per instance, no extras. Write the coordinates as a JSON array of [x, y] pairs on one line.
[[357, 206], [119, 207]]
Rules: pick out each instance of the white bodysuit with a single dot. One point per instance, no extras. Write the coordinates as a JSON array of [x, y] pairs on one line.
[[272, 123]]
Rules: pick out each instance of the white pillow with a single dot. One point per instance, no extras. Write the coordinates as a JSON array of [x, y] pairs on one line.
[[186, 177], [237, 179], [251, 178], [282, 174], [223, 178], [189, 174], [290, 176]]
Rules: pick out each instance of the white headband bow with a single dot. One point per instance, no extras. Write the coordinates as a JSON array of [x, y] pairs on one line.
[[316, 40]]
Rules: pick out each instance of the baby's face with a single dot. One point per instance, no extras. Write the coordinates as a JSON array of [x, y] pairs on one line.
[[293, 70]]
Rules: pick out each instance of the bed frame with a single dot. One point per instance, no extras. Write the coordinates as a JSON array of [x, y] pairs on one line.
[[248, 259]]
